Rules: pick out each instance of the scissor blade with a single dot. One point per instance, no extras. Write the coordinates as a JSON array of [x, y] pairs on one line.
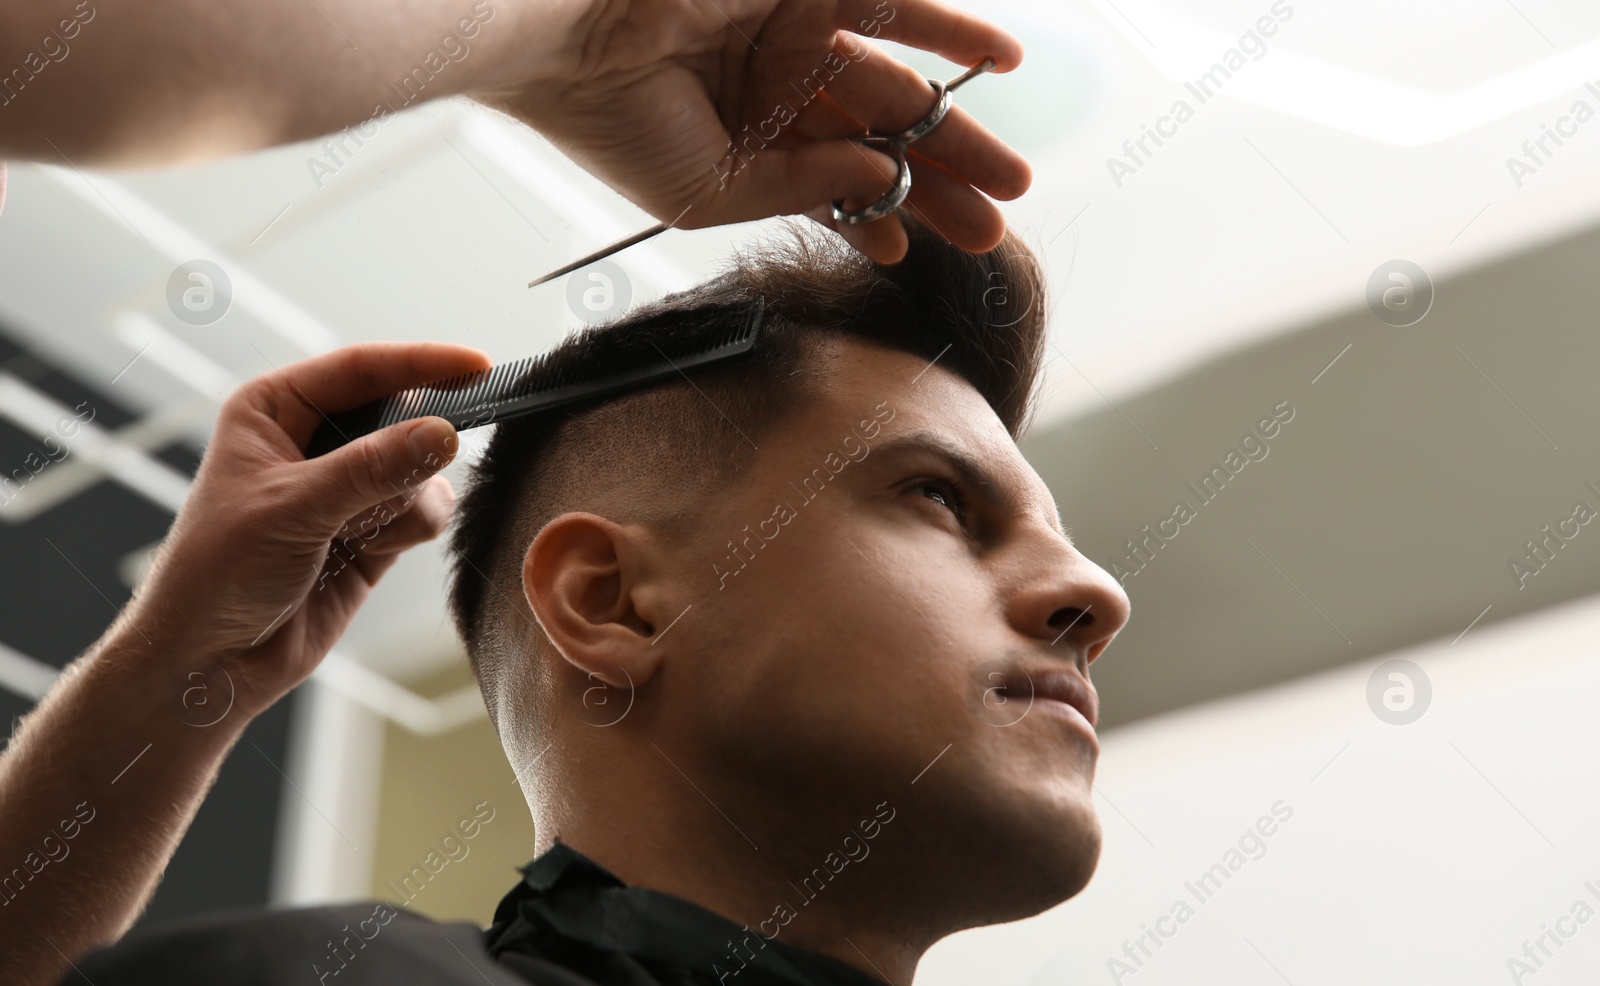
[[603, 252], [978, 69]]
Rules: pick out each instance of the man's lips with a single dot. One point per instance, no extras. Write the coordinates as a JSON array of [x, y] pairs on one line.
[[1062, 685]]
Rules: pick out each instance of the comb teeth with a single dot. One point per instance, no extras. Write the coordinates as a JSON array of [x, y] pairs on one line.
[[538, 383]]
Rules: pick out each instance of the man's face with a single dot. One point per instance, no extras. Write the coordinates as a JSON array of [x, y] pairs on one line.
[[878, 597]]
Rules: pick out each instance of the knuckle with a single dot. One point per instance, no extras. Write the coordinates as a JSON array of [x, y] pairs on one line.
[[367, 470]]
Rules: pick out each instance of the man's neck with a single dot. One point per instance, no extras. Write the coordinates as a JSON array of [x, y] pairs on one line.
[[804, 896]]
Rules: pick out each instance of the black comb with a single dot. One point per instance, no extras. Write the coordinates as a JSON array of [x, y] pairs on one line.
[[540, 383]]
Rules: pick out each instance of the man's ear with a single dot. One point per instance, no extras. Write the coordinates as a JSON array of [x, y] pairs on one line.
[[588, 582]]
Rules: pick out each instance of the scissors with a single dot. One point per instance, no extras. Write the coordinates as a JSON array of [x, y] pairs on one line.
[[893, 144]]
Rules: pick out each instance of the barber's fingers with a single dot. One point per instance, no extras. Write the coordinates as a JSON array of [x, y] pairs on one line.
[[873, 88], [424, 519], [933, 26], [374, 541], [883, 240], [954, 209], [794, 180], [301, 395], [365, 523], [393, 462], [788, 180], [402, 522], [804, 164]]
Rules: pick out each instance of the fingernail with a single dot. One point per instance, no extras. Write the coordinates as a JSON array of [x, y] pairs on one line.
[[431, 440]]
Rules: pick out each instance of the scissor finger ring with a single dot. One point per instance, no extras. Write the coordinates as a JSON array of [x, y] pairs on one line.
[[897, 192], [895, 146], [941, 106]]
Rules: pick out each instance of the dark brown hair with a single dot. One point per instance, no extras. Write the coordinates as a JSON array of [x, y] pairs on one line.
[[650, 453]]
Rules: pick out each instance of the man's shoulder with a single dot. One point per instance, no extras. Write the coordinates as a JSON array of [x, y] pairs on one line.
[[368, 942]]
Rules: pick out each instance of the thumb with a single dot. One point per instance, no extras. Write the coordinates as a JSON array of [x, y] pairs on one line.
[[385, 464]]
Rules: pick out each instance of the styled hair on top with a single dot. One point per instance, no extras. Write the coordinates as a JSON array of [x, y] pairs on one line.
[[652, 455]]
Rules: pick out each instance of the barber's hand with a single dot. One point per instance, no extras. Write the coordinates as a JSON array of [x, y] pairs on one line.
[[246, 576], [648, 95]]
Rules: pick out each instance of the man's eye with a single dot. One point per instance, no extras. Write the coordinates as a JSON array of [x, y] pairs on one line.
[[942, 492]]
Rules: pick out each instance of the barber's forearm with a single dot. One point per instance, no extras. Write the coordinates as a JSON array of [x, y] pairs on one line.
[[145, 82], [96, 788]]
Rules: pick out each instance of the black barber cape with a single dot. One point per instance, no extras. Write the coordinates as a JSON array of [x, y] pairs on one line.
[[569, 922]]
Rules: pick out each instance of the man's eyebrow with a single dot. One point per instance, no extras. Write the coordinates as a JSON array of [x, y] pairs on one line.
[[974, 475]]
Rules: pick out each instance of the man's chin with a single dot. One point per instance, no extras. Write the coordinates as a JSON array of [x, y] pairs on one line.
[[1066, 859], [1030, 868]]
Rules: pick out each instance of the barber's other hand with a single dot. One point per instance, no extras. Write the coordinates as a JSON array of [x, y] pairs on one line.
[[246, 577], [649, 95]]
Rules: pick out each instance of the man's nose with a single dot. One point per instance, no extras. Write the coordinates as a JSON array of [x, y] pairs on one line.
[[1070, 601]]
